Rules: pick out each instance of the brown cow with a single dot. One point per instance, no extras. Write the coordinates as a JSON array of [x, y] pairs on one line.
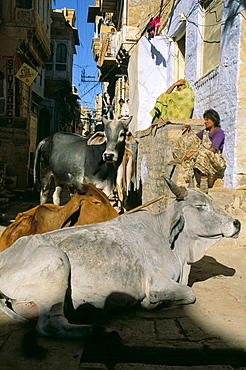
[[88, 206]]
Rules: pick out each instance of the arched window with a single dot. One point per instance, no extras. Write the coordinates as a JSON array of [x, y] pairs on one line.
[[61, 57]]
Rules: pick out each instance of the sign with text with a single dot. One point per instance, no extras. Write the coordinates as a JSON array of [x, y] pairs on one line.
[[26, 74]]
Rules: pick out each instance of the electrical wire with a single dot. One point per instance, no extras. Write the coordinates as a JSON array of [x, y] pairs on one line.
[[138, 39], [140, 33], [139, 36]]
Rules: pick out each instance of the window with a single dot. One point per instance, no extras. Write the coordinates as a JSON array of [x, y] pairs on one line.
[[212, 13], [179, 57], [61, 57], [24, 4]]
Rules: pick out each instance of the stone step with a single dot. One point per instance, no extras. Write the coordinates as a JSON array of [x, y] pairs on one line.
[[178, 176], [233, 201], [141, 366]]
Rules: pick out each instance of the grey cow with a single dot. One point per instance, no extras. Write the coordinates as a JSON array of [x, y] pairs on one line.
[[73, 160], [143, 256]]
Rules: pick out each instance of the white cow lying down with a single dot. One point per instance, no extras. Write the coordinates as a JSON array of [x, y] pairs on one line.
[[143, 255]]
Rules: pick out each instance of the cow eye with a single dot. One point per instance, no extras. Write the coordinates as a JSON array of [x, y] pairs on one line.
[[97, 203], [201, 207], [122, 134]]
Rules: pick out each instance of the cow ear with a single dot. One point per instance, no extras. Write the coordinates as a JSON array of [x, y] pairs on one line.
[[97, 139], [130, 138], [176, 226]]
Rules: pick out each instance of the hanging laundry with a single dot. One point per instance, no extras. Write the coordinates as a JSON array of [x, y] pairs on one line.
[[152, 27]]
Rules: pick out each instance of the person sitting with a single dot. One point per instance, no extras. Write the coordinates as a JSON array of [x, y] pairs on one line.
[[124, 113], [201, 154], [177, 104]]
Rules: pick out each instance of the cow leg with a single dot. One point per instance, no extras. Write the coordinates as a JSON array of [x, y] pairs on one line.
[[119, 182], [53, 323], [45, 185], [52, 275], [38, 285], [174, 293], [44, 194], [129, 173], [57, 193], [72, 191], [56, 196]]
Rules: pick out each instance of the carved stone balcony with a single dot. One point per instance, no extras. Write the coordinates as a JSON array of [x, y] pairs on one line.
[[95, 48], [108, 47]]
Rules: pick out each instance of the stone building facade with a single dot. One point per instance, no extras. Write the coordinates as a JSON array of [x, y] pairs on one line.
[[218, 85], [202, 41], [59, 110], [119, 26], [25, 41], [36, 99]]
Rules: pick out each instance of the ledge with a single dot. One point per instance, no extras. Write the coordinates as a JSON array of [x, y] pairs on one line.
[[171, 121]]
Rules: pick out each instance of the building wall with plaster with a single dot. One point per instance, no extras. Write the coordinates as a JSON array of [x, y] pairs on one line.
[[147, 79], [222, 89]]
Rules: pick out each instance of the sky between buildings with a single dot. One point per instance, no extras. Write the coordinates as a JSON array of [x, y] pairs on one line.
[[83, 60]]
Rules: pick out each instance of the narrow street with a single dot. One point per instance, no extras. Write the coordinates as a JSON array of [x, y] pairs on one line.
[[157, 88], [210, 334]]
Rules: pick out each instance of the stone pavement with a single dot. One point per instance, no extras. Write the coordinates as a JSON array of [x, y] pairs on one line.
[[210, 334]]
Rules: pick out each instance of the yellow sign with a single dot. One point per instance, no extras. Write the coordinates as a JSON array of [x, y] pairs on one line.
[[26, 74]]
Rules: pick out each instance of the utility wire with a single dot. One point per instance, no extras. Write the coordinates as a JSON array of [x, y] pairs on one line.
[[189, 21]]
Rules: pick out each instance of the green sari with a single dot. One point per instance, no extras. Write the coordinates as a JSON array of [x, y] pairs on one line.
[[178, 104]]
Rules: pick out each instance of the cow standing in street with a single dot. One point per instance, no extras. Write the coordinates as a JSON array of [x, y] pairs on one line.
[[73, 160], [140, 257]]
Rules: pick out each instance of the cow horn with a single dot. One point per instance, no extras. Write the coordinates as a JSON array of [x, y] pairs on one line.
[[127, 121], [175, 189]]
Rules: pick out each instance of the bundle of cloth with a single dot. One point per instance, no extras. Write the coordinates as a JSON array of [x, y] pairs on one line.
[[177, 104]]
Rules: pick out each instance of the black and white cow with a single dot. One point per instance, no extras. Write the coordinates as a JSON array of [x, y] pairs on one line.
[[73, 160]]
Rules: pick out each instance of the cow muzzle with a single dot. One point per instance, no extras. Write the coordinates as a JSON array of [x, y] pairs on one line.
[[109, 157], [231, 229], [237, 226]]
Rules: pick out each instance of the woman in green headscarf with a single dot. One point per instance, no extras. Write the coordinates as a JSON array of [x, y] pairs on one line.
[[178, 104]]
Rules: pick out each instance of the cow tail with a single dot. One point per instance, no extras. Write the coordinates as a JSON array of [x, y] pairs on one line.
[[36, 168]]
